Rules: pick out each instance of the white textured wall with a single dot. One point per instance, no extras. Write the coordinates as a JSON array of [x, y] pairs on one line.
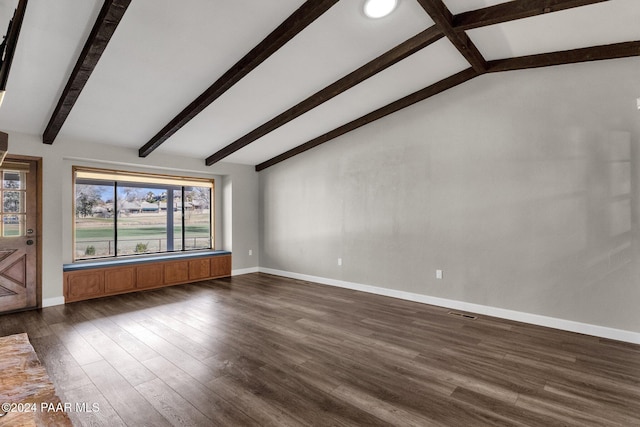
[[521, 186]]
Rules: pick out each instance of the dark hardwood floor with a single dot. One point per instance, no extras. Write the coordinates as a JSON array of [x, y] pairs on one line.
[[264, 350]]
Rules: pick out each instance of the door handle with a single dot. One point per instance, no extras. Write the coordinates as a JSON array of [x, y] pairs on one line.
[[29, 242]]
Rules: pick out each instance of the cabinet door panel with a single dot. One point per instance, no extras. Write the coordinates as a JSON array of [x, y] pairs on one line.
[[176, 272], [84, 285], [199, 269], [120, 279], [149, 276], [221, 266]]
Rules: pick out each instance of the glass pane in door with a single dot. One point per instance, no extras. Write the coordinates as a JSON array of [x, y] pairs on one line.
[[13, 209]]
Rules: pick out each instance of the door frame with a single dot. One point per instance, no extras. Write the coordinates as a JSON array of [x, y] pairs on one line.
[[38, 236]]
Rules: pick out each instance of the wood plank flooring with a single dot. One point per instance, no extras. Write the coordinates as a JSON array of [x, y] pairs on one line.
[[264, 350]]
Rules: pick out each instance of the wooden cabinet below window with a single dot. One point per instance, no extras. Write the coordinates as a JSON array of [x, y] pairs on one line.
[[149, 276], [221, 266], [84, 285], [199, 268], [98, 281], [176, 272], [119, 279]]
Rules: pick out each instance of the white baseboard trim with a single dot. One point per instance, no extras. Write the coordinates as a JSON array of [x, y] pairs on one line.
[[534, 319], [244, 271], [50, 302]]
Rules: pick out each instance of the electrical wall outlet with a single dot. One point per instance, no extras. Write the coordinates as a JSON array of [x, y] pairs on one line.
[[339, 261], [250, 252], [438, 274]]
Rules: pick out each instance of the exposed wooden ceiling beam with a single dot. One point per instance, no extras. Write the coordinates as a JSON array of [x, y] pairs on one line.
[[381, 63], [110, 15], [298, 21], [453, 27], [398, 105], [595, 53], [512, 10], [503, 12], [444, 20], [11, 43]]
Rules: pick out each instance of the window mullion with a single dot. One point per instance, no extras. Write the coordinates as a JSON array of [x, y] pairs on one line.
[[182, 220], [115, 218], [170, 230]]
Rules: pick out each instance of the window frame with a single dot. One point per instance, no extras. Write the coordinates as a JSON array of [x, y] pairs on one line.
[[123, 178], [21, 214]]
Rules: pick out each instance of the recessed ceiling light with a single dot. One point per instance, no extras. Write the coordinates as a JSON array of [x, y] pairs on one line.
[[379, 8]]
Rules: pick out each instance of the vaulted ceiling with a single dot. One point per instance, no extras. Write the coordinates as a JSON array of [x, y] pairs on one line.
[[256, 82]]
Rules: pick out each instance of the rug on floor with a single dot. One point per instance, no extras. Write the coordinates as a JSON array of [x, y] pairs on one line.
[[27, 395]]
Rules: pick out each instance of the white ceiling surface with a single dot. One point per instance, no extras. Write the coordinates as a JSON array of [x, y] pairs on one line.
[[383, 88], [48, 48], [165, 53], [603, 23], [6, 12], [337, 43], [459, 6]]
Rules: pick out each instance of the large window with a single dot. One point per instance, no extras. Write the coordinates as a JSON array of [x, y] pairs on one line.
[[124, 213]]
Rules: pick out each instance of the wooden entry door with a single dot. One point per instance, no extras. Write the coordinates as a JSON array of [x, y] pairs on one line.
[[18, 234]]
